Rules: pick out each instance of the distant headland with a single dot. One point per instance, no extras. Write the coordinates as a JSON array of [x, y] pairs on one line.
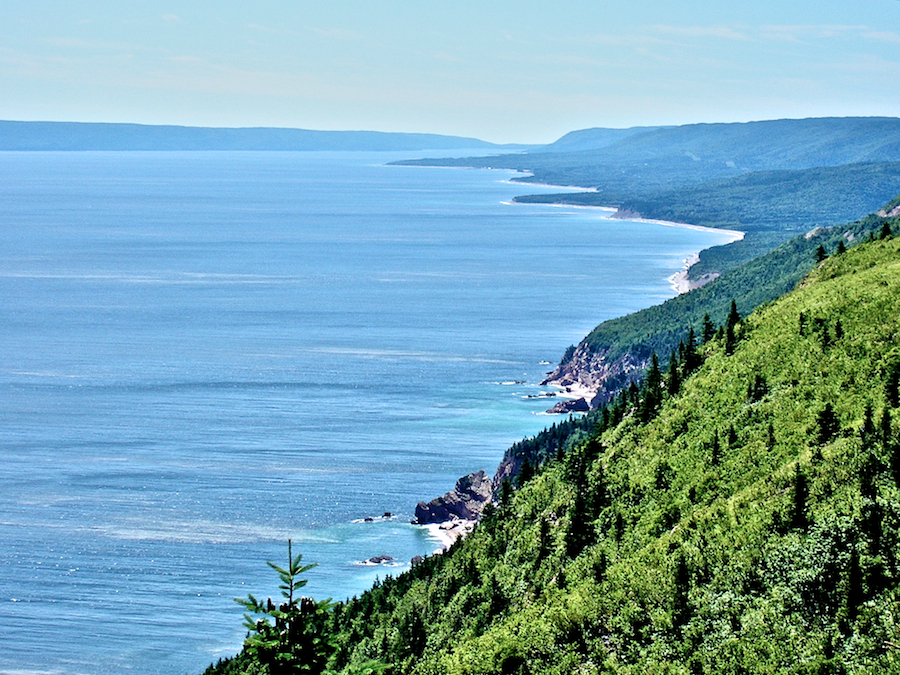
[[85, 136]]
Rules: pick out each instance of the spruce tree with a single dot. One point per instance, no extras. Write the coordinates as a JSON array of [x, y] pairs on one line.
[[885, 231], [867, 430], [708, 330], [673, 376], [729, 340], [732, 437], [730, 326], [526, 473], [293, 636], [892, 385], [801, 494], [651, 391], [692, 360], [733, 316], [715, 450], [821, 253], [853, 594], [827, 425], [841, 248], [681, 609], [757, 389]]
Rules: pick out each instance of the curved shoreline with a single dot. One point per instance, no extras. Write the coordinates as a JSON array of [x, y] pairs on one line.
[[736, 235]]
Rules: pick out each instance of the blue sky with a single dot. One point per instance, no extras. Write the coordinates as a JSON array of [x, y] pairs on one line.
[[501, 70]]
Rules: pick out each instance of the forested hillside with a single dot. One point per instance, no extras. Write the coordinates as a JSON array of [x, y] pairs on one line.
[[617, 351], [739, 512]]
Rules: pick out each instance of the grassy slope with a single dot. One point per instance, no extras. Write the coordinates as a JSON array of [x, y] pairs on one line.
[[691, 564]]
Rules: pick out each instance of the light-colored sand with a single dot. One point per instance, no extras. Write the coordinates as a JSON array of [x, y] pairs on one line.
[[679, 280], [448, 532], [575, 391], [736, 235]]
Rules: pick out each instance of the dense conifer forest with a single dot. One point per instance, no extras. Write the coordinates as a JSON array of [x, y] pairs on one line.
[[738, 511]]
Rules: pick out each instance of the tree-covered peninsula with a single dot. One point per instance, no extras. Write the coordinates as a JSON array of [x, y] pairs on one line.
[[771, 179], [738, 511]]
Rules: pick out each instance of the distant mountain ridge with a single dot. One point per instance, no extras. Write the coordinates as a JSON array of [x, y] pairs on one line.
[[82, 136], [592, 139], [770, 179]]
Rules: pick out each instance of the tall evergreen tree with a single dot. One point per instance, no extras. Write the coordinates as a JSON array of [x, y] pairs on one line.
[[681, 609], [730, 340], [892, 385], [526, 473], [734, 316], [801, 494], [651, 391], [731, 323], [692, 359], [293, 636], [708, 331], [827, 424], [867, 430], [715, 449], [673, 376]]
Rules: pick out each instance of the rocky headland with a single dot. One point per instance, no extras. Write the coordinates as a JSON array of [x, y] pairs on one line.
[[464, 502]]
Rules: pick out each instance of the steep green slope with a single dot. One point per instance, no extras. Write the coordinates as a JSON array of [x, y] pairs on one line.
[[617, 351], [749, 525]]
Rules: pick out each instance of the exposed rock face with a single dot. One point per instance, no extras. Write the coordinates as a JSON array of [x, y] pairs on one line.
[[626, 214], [465, 501], [601, 379], [585, 372], [564, 407]]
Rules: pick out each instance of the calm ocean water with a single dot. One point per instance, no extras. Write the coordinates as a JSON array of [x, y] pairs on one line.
[[203, 354]]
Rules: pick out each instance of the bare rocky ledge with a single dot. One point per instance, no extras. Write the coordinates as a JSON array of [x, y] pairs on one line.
[[464, 502]]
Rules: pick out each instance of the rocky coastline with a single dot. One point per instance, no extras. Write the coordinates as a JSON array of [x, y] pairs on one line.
[[454, 514]]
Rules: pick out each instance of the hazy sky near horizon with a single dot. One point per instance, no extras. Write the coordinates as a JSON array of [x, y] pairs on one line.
[[501, 70]]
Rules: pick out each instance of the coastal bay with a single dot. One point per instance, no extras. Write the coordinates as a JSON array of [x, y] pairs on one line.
[[208, 353]]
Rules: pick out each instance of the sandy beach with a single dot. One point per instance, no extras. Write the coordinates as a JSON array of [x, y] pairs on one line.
[[612, 211]]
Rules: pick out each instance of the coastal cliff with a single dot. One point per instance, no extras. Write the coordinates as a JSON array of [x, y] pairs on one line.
[[464, 502], [749, 495], [593, 377]]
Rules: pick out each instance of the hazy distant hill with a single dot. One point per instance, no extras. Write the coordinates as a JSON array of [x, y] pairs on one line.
[[100, 136], [770, 179], [592, 139], [668, 157]]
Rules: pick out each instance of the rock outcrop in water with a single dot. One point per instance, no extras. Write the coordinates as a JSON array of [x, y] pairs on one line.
[[465, 501]]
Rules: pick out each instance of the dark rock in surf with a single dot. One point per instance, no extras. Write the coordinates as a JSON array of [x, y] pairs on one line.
[[564, 407]]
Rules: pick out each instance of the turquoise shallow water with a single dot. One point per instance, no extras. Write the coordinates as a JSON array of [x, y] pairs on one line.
[[204, 354]]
